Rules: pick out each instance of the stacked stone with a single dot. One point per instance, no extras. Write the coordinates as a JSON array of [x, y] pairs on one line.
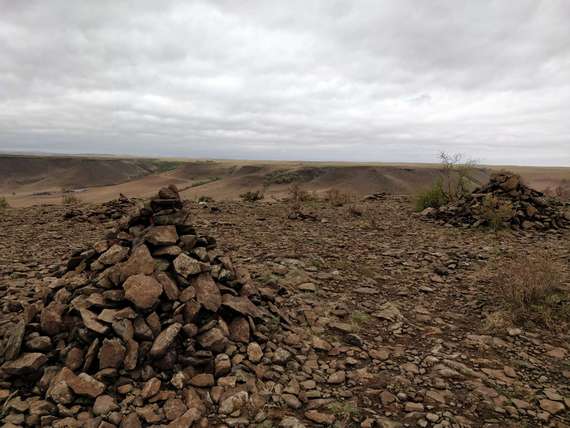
[[151, 313], [523, 207]]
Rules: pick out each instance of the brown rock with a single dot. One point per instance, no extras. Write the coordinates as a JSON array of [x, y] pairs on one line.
[[113, 255], [186, 265], [164, 340], [552, 407], [187, 420], [50, 319], [254, 352], [241, 304], [174, 408], [162, 235], [239, 330], [222, 365], [213, 339], [150, 388], [132, 355], [142, 330], [104, 404], [25, 364], [202, 380], [168, 285], [111, 354], [91, 322], [86, 385], [207, 292], [140, 262], [144, 291], [319, 417], [131, 421], [74, 358]]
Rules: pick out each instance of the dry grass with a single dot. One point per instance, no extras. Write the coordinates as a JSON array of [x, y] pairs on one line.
[[252, 196], [533, 290], [496, 212], [337, 198], [70, 199], [3, 204]]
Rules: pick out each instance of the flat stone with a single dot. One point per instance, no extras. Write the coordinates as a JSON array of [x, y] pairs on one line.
[[186, 265], [337, 378], [169, 286], [144, 291], [207, 292], [239, 330], [150, 388], [25, 364], [202, 380], [552, 407], [91, 322], [233, 403], [241, 304], [162, 235], [83, 384], [113, 255], [320, 417]]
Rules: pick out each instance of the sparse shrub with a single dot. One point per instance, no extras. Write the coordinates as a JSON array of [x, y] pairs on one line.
[[70, 199], [532, 288], [434, 197], [4, 203], [337, 198], [345, 411], [496, 212], [297, 195], [205, 198], [252, 196]]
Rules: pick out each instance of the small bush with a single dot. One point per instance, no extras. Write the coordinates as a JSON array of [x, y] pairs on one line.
[[4, 203], [337, 198], [70, 199], [532, 288], [433, 197], [496, 212], [258, 195]]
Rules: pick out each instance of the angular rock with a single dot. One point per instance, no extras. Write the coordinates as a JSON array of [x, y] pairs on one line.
[[207, 292], [24, 364], [164, 340], [162, 235], [144, 291]]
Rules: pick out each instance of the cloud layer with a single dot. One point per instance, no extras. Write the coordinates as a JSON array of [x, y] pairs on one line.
[[363, 80]]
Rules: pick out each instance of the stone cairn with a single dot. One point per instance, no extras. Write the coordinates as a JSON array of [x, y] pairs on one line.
[[143, 329], [519, 206]]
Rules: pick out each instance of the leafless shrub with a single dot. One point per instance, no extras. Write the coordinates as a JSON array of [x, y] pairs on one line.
[[532, 288], [457, 175]]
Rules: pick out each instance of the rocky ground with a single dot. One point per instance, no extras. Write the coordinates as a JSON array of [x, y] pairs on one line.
[[388, 316]]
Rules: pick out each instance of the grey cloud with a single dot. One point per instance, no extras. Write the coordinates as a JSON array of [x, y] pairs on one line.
[[341, 80]]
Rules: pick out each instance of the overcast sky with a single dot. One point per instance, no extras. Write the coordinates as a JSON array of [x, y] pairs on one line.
[[358, 80]]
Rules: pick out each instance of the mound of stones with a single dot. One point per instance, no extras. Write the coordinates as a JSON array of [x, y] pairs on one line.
[[112, 210], [149, 327], [506, 199]]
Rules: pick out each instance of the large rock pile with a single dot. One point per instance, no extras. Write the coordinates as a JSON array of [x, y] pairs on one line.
[[505, 199], [144, 328]]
